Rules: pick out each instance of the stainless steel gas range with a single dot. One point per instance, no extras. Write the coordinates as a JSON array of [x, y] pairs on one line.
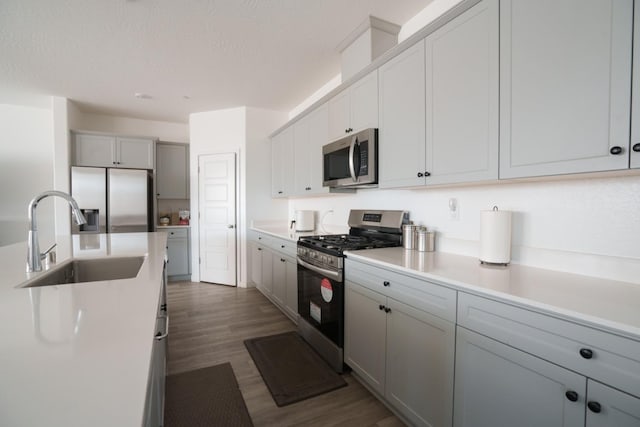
[[321, 276]]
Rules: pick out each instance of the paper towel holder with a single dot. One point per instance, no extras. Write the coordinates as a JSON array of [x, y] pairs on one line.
[[503, 257]]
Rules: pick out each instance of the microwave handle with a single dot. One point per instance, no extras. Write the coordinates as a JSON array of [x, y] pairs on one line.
[[352, 150]]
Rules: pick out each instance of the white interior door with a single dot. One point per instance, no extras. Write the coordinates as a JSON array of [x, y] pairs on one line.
[[217, 224]]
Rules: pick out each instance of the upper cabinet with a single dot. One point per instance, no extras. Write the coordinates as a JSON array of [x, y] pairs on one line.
[[439, 105], [635, 98], [462, 65], [282, 163], [355, 108], [565, 84], [401, 135], [309, 135], [112, 151], [172, 171]]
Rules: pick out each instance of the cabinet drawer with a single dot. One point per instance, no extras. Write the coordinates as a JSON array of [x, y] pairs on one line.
[[603, 356], [288, 247], [178, 233], [432, 298]]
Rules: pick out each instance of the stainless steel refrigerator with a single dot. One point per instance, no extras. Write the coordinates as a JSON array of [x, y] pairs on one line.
[[113, 200]]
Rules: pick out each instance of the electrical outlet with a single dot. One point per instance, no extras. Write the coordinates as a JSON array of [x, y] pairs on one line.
[[454, 209]]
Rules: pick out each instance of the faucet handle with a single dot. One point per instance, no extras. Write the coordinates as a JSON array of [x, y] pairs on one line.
[[49, 256]]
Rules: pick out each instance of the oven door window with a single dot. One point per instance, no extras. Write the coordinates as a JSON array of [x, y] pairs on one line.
[[321, 303]]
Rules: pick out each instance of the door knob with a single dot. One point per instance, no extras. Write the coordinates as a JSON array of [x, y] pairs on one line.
[[230, 226]]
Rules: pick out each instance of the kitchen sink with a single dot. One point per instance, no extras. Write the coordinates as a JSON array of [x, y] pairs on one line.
[[89, 270]]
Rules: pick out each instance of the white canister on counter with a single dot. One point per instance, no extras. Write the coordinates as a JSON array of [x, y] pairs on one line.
[[495, 236], [409, 236], [305, 220]]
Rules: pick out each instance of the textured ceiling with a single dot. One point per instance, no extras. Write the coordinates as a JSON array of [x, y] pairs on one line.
[[220, 53]]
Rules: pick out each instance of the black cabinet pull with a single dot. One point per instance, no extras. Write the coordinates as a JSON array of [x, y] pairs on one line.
[[636, 147], [282, 246], [572, 395], [279, 192], [427, 174], [381, 307], [594, 407], [386, 283], [259, 249], [420, 174], [615, 150], [586, 353], [387, 310]]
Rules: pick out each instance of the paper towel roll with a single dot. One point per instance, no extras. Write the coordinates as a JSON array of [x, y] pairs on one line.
[[495, 236]]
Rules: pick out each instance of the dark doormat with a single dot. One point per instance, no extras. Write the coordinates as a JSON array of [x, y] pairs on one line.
[[292, 370], [205, 397]]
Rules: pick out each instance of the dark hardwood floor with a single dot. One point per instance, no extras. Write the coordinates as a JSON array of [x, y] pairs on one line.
[[208, 326]]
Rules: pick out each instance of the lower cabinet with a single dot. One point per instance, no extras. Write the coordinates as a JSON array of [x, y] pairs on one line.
[[178, 250], [274, 271], [404, 354], [497, 385], [154, 406]]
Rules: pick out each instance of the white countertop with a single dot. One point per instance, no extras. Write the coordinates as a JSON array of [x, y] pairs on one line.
[[79, 354], [282, 231], [606, 304]]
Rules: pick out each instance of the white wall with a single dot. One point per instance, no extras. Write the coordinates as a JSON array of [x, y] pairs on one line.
[[585, 226], [26, 169], [165, 131]]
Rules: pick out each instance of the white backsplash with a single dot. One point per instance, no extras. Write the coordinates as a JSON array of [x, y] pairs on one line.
[[586, 226]]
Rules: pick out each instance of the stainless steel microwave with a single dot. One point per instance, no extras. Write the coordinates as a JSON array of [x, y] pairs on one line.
[[351, 161]]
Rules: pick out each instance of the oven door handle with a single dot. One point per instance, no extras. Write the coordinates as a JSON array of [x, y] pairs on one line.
[[335, 275]]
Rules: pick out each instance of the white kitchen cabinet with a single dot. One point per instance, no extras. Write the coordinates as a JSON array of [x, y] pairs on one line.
[[365, 334], [256, 263], [274, 271], [401, 134], [608, 407], [282, 158], [634, 153], [155, 399], [285, 283], [178, 250], [113, 151], [355, 108], [172, 171], [564, 94], [462, 66], [497, 385], [524, 360], [404, 353], [309, 135]]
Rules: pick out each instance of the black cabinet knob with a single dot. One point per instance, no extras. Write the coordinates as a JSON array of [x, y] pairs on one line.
[[282, 260], [586, 353], [381, 307], [387, 310], [259, 249], [279, 192], [427, 174], [386, 283], [636, 147], [594, 407], [420, 174], [571, 395], [615, 150], [282, 246]]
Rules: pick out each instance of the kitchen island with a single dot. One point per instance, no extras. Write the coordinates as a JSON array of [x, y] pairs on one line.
[[79, 354]]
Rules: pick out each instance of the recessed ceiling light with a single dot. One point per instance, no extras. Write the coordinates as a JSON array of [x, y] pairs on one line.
[[141, 95]]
